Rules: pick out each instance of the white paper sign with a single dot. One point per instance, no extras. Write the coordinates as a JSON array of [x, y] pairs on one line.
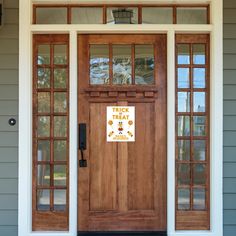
[[121, 124]]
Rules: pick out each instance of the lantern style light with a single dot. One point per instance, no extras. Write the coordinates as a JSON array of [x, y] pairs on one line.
[[122, 16]]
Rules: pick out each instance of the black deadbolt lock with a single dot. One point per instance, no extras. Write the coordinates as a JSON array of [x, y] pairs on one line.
[[11, 121]]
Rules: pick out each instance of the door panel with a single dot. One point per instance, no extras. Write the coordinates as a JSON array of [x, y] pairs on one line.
[[141, 160], [103, 167], [123, 187]]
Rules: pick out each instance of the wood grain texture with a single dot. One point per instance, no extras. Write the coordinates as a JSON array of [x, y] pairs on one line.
[[124, 186]]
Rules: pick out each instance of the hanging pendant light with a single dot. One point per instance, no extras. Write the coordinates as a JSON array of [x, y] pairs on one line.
[[122, 16]]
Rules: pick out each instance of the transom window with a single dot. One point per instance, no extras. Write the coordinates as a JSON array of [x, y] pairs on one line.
[[116, 14]]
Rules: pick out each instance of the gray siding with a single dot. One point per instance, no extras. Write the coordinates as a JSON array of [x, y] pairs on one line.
[[8, 108], [229, 117]]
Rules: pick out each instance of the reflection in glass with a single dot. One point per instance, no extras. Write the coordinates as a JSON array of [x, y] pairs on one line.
[[199, 199], [190, 15], [183, 77], [60, 126], [199, 102], [183, 102], [199, 174], [183, 199], [43, 126], [60, 103], [59, 175], [43, 55], [199, 125], [59, 200], [157, 15], [183, 150], [59, 150], [51, 15], [99, 64], [43, 150], [43, 175], [199, 150], [44, 102], [144, 64], [183, 174], [183, 126], [122, 68], [199, 54], [60, 54], [183, 54], [86, 15], [199, 75], [60, 77], [110, 16], [43, 199], [43, 78]]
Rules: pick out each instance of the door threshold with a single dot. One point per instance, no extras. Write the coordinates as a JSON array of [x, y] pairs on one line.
[[122, 233]]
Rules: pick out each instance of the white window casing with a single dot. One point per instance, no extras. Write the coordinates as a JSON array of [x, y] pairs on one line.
[[25, 110]]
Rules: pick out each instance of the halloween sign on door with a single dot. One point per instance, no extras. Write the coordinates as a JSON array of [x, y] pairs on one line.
[[120, 124]]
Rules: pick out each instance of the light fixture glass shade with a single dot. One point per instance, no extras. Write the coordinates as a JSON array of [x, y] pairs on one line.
[[122, 16]]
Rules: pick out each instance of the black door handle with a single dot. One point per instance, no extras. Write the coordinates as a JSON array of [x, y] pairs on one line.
[[82, 144]]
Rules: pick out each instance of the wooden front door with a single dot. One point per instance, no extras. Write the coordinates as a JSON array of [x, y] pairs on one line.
[[123, 187]]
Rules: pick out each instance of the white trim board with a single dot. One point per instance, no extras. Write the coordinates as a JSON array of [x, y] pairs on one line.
[[25, 113]]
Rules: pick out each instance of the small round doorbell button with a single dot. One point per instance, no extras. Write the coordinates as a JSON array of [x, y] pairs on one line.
[[11, 121]]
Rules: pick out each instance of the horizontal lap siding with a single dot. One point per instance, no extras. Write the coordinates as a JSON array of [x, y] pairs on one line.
[[9, 48], [229, 117]]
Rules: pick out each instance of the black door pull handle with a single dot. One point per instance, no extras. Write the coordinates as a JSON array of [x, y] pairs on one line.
[[82, 144]]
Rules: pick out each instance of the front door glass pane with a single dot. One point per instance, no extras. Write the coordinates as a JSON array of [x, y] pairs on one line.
[[99, 64], [122, 65], [144, 64]]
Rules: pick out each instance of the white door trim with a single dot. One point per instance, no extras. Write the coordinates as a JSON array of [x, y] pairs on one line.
[[25, 113]]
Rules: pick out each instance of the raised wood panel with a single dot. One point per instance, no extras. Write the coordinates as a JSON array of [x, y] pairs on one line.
[[8, 170], [192, 220], [8, 186], [141, 159], [102, 160], [8, 217], [8, 202]]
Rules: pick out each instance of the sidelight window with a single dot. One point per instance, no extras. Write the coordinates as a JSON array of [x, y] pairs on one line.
[[50, 136], [192, 131]]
